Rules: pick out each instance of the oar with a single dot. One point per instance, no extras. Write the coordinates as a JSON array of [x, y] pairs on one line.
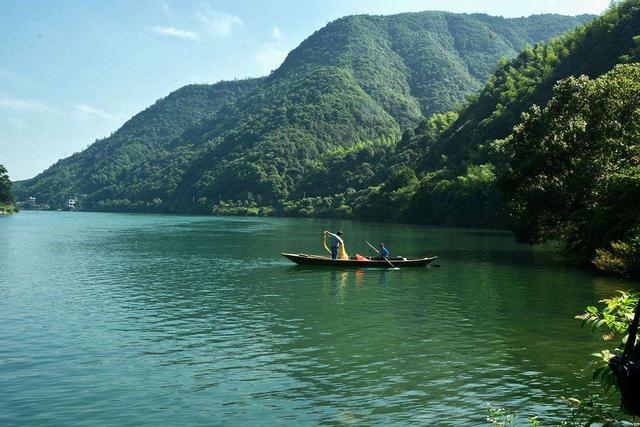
[[385, 258]]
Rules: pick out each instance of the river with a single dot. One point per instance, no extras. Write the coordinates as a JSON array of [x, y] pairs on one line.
[[116, 319]]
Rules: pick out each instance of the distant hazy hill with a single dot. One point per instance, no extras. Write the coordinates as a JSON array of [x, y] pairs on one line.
[[358, 78]]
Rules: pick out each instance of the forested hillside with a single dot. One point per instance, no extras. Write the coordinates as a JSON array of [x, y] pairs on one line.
[[571, 170], [358, 79], [567, 172], [139, 163], [449, 169]]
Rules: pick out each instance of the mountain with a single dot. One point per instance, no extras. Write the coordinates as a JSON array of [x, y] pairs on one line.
[[445, 171], [550, 148], [136, 160], [467, 145], [357, 79]]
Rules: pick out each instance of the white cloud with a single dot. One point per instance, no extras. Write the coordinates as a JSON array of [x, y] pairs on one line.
[[275, 33], [270, 56], [79, 111], [88, 110], [220, 24], [175, 32], [19, 104]]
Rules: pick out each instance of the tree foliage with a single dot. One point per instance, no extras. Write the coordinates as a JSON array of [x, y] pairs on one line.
[[592, 50], [572, 169], [356, 80], [6, 196], [567, 172]]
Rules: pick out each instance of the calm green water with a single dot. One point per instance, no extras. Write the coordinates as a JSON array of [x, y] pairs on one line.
[[109, 319]]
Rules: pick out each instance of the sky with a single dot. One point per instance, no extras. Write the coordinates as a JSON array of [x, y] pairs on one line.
[[72, 72]]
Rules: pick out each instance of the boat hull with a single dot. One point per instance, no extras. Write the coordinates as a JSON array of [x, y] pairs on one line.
[[306, 259]]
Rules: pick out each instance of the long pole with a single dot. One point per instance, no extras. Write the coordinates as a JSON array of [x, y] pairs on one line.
[[385, 258]]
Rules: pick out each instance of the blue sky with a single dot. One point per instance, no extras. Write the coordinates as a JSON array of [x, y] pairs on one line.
[[74, 71]]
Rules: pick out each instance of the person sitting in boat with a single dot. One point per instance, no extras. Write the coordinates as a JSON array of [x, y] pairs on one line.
[[334, 243], [383, 252]]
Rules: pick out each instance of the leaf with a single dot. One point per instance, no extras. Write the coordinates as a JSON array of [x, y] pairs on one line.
[[596, 373]]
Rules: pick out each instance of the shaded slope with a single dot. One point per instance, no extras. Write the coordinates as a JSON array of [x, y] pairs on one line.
[[446, 175], [591, 50]]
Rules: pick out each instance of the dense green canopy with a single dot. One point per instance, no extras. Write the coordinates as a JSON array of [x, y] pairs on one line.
[[567, 172], [455, 166], [6, 196], [456, 170], [255, 141], [572, 169]]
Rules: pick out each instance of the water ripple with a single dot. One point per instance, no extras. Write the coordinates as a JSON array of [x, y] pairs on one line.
[[165, 320]]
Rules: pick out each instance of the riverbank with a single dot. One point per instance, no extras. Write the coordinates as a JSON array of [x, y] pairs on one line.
[[7, 209]]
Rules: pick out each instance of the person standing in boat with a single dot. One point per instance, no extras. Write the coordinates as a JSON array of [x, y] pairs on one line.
[[334, 243], [384, 252]]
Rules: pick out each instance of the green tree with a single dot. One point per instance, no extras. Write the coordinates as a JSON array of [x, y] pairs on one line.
[[6, 196], [571, 170], [357, 79]]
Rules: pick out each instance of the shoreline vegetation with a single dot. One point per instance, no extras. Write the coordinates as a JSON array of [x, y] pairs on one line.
[[7, 209], [7, 198]]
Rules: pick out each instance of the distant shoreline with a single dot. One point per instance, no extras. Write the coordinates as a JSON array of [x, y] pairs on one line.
[[7, 209]]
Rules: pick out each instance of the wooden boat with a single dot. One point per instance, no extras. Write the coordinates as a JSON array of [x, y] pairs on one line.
[[306, 259]]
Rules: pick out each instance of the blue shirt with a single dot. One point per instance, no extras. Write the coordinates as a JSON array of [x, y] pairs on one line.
[[384, 252]]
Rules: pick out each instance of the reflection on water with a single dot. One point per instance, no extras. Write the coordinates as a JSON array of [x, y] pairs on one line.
[[164, 320]]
